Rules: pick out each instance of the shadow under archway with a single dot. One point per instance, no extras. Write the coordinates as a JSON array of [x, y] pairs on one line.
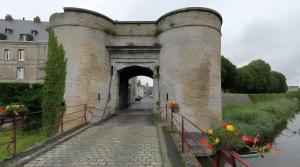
[[124, 75]]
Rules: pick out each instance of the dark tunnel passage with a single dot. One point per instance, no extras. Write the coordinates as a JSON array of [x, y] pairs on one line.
[[124, 75]]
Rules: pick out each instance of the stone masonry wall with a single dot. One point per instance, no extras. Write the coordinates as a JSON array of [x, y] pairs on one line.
[[189, 58]]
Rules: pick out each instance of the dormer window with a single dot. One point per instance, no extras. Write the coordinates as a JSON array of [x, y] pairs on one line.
[[34, 32], [3, 37], [8, 30], [26, 37]]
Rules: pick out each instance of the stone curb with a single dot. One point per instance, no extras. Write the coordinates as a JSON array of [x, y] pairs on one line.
[[163, 146], [50, 143]]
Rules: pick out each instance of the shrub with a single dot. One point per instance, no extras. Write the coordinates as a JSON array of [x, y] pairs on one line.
[[29, 95], [54, 86]]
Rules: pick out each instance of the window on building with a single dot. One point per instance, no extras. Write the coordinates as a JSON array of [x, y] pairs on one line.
[[20, 72], [3, 37], [8, 30], [21, 56], [34, 32], [6, 54], [26, 37]]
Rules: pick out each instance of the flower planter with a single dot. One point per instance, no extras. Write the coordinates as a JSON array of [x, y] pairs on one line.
[[251, 159]]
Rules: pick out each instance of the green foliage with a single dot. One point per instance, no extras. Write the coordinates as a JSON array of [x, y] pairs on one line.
[[244, 81], [226, 139], [260, 74], [54, 86], [256, 77], [228, 74], [27, 139], [274, 85], [282, 86], [265, 118], [29, 95], [256, 98]]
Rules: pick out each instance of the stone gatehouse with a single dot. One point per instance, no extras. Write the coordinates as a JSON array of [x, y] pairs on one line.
[[180, 51]]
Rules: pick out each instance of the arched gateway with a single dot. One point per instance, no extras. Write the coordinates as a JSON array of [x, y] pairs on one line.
[[180, 51]]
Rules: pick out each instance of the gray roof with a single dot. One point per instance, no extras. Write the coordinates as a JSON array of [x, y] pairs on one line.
[[24, 27]]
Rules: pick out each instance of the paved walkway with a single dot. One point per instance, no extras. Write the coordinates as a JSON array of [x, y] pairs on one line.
[[129, 139]]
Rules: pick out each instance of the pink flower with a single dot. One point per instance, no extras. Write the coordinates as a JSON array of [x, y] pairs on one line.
[[248, 139]]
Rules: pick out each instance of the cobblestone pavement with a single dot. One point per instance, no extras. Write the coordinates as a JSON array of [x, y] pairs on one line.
[[129, 139]]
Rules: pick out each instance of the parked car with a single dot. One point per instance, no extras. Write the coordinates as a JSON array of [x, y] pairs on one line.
[[138, 98]]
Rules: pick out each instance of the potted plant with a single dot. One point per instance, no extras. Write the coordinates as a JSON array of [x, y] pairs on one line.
[[174, 106], [227, 137], [14, 109]]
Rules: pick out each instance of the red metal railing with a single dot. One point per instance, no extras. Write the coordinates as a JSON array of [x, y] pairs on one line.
[[79, 112], [184, 126]]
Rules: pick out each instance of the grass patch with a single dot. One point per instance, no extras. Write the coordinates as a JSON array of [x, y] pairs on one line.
[[266, 118], [24, 140]]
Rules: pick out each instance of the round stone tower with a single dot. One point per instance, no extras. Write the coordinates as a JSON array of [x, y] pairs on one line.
[[190, 62], [88, 70]]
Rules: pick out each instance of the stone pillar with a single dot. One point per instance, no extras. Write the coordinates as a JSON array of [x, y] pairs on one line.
[[190, 63]]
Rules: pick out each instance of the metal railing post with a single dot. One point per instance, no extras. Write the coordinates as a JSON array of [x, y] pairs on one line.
[[172, 123], [15, 135], [62, 124], [85, 108], [218, 159], [233, 161], [182, 135], [167, 99]]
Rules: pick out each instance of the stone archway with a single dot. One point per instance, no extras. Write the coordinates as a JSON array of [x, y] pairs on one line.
[[124, 75]]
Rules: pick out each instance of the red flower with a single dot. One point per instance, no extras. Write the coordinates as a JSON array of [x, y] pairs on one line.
[[203, 141], [209, 146], [248, 139], [237, 132], [269, 145], [2, 110], [224, 125]]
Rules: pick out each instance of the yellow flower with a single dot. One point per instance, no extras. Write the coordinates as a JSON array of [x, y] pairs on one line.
[[217, 140], [7, 107], [210, 131], [230, 128]]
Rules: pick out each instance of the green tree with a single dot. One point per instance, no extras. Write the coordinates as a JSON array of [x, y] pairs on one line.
[[274, 85], [228, 74], [244, 80], [261, 72], [54, 86], [282, 88]]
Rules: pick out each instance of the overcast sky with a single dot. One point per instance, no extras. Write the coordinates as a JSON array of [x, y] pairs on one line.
[[252, 29]]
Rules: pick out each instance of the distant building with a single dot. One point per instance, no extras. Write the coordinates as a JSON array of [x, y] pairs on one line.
[[293, 88], [23, 50], [139, 89], [148, 90]]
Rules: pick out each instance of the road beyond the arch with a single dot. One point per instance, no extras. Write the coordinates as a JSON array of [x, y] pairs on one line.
[[128, 139]]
